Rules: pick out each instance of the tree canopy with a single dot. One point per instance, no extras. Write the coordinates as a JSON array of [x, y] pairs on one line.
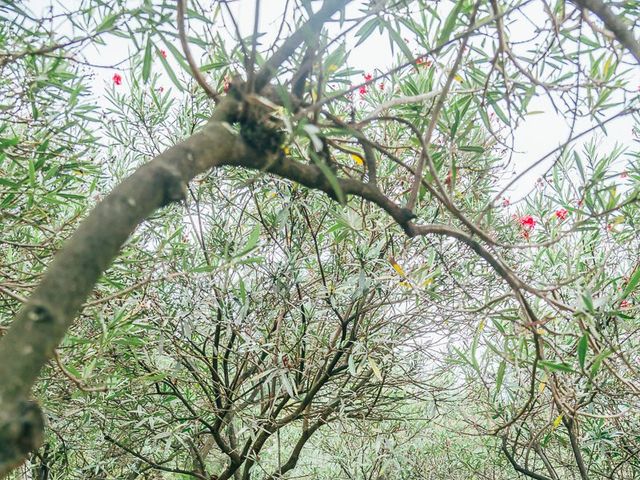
[[317, 239]]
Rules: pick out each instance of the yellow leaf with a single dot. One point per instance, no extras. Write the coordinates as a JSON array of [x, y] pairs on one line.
[[481, 326], [332, 68], [375, 368], [357, 158], [543, 383], [540, 331], [397, 267], [286, 150], [427, 282], [557, 421], [458, 78], [607, 66], [405, 284]]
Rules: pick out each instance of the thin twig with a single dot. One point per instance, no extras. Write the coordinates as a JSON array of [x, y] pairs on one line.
[[195, 70]]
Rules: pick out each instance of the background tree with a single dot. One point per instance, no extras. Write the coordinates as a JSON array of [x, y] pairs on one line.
[[347, 271]]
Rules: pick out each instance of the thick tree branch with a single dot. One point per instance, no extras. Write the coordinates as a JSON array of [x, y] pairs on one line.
[[614, 23], [309, 29]]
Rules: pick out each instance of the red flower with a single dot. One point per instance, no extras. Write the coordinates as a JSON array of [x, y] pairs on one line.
[[525, 234], [561, 213], [368, 77], [624, 304], [381, 85], [163, 53], [362, 90], [161, 89], [423, 62], [226, 85], [506, 202], [117, 79], [527, 222]]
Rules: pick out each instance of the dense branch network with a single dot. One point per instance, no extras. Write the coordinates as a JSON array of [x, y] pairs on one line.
[[229, 139]]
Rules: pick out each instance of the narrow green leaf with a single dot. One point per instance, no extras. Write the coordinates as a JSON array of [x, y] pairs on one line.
[[450, 23], [171, 73], [471, 148], [632, 283], [500, 376], [366, 30], [107, 23], [252, 241], [398, 40], [597, 363], [555, 366], [146, 62], [582, 349]]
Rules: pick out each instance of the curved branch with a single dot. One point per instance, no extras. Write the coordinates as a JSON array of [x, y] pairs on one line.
[[195, 70], [614, 23]]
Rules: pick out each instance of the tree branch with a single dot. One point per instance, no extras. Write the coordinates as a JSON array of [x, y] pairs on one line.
[[614, 23]]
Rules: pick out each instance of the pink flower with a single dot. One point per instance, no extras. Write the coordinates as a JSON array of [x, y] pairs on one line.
[[117, 79], [625, 304], [362, 90], [160, 89], [381, 86], [163, 53], [527, 222], [368, 77], [561, 213], [506, 202], [624, 174]]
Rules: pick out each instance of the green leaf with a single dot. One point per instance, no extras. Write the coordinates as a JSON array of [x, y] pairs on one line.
[[252, 241], [582, 349], [366, 30], [471, 148], [450, 23], [398, 40], [171, 73], [556, 366], [146, 62], [107, 23], [632, 284], [597, 363], [500, 376]]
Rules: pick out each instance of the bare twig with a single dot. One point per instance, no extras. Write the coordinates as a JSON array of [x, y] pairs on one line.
[[195, 70]]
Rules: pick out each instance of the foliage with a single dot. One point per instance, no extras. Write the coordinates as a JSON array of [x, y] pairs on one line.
[[280, 329]]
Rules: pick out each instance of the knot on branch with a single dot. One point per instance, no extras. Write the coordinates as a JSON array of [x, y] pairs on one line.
[[21, 432], [260, 128], [174, 188], [40, 314]]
